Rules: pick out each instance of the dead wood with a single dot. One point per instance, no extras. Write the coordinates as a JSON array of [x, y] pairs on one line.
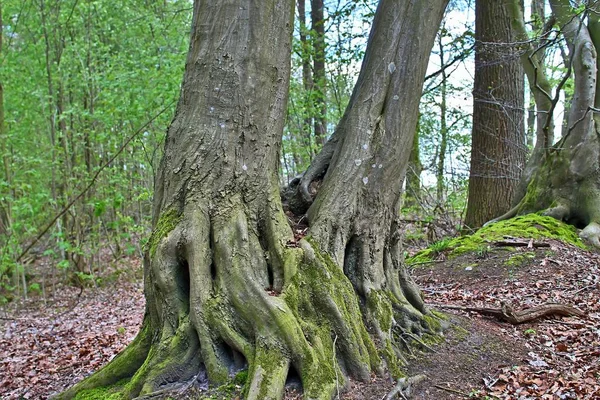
[[519, 243], [507, 314]]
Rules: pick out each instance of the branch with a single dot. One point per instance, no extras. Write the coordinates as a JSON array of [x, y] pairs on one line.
[[460, 57]]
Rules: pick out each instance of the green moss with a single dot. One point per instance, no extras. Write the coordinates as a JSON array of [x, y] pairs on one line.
[[380, 306], [230, 390], [114, 392], [394, 365], [319, 285], [459, 332], [530, 226], [166, 223], [433, 322], [518, 260], [241, 378], [431, 340]]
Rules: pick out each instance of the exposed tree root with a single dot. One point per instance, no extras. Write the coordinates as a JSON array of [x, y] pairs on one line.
[[507, 314], [214, 309]]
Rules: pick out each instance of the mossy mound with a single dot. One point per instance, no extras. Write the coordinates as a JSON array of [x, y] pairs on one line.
[[530, 226]]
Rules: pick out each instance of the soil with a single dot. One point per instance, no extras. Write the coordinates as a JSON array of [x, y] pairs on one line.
[[46, 348]]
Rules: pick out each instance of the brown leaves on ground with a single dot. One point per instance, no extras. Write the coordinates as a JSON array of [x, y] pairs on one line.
[[47, 348], [563, 354], [44, 349]]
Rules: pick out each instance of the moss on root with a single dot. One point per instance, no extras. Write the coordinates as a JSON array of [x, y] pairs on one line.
[[114, 392], [530, 226], [318, 290], [166, 223]]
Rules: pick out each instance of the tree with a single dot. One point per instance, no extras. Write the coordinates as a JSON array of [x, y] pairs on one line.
[[5, 214], [498, 142], [317, 9], [226, 283], [564, 181]]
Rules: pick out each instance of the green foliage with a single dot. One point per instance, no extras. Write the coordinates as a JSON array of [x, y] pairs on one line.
[[79, 78], [441, 245]]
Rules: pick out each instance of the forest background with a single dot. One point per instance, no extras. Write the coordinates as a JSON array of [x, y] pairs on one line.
[[89, 88]]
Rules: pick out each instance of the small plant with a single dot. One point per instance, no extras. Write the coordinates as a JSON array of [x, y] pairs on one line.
[[441, 245], [530, 331], [121, 330], [482, 251]]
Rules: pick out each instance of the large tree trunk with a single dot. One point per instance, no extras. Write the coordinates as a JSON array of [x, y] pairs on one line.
[[498, 142], [226, 284], [565, 183]]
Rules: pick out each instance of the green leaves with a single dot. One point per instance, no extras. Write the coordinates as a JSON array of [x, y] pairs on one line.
[[79, 78]]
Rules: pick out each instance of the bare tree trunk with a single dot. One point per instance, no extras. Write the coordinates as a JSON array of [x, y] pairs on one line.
[[441, 164], [498, 142], [5, 207], [307, 79], [413, 174]]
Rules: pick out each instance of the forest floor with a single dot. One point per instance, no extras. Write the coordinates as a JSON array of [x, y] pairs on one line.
[[45, 348]]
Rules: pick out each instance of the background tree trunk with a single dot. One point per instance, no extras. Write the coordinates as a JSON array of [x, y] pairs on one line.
[[320, 80], [498, 142], [413, 174], [5, 206], [307, 80]]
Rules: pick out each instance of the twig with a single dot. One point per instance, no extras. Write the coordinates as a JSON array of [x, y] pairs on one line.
[[507, 314], [337, 382], [68, 310], [584, 288], [416, 339], [529, 244]]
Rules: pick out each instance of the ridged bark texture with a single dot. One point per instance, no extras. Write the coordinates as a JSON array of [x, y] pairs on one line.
[[227, 286], [498, 140]]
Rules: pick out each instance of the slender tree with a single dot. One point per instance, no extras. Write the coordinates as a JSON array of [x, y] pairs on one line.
[[307, 78], [5, 213], [226, 284], [498, 140], [317, 12]]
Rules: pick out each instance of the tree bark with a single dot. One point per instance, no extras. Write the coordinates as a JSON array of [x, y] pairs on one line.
[[5, 207], [498, 146], [413, 174], [227, 285], [441, 162], [532, 59]]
